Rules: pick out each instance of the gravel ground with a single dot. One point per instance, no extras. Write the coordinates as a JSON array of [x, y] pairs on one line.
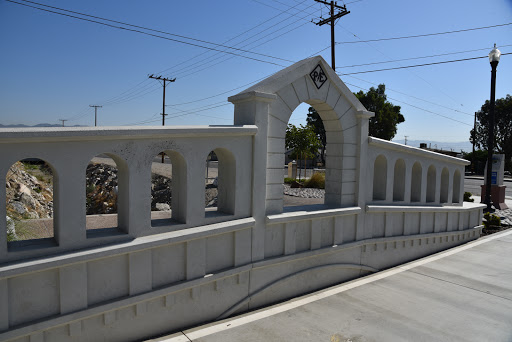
[[303, 192], [506, 216]]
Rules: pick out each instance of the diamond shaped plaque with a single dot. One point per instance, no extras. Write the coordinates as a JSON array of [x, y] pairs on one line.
[[318, 76]]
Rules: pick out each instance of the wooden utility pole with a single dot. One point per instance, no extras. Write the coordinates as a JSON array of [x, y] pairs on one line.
[[331, 20], [164, 84], [95, 113]]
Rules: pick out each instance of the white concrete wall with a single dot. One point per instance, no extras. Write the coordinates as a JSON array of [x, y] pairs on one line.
[[142, 281], [390, 165]]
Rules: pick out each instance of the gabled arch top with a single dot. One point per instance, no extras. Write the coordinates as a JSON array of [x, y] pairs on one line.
[[280, 80]]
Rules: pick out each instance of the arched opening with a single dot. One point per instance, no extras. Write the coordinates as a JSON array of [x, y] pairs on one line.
[[168, 189], [456, 187], [416, 182], [305, 159], [380, 175], [431, 184], [220, 182], [29, 202], [102, 193], [399, 181], [445, 179]]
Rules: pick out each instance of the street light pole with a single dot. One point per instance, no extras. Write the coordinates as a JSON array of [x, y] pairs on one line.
[[494, 59]]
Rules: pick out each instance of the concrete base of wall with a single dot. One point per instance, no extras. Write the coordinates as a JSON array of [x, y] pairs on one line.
[[238, 290]]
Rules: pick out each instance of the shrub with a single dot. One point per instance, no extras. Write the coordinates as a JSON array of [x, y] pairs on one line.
[[467, 197], [288, 180], [491, 220], [317, 180]]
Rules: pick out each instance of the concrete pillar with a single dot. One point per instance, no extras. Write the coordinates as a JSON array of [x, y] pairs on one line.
[[424, 173], [390, 179], [408, 180], [363, 121], [438, 185], [134, 195], [252, 108], [69, 203], [195, 187], [450, 186]]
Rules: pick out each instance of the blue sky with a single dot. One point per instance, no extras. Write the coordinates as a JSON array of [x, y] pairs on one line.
[[53, 67]]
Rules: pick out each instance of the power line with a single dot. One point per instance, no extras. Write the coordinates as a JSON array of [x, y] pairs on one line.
[[408, 104], [418, 65], [414, 97], [148, 34], [153, 30], [133, 93], [412, 58], [424, 35]]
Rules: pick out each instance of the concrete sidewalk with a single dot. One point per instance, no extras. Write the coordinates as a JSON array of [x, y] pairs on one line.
[[462, 294]]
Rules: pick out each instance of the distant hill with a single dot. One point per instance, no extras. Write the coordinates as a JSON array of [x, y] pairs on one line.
[[38, 125]]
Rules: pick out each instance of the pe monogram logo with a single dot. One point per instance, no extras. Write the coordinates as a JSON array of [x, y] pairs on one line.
[[318, 76]]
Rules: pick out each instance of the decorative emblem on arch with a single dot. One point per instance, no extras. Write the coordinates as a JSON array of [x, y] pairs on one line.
[[318, 76]]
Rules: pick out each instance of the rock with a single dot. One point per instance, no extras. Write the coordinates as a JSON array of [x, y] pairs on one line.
[[163, 207], [19, 207], [11, 229], [28, 200], [23, 189]]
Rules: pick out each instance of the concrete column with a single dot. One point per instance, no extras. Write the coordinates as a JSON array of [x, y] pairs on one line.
[[390, 179], [438, 185], [69, 203], [424, 173], [370, 169], [408, 179], [363, 121], [450, 186], [252, 108], [134, 196], [195, 187]]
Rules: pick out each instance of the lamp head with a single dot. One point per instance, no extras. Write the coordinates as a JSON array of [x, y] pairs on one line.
[[494, 55]]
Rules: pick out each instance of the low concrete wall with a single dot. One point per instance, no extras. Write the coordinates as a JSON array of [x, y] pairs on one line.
[[385, 204]]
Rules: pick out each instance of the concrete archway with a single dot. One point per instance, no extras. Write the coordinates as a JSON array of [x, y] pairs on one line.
[[269, 105]]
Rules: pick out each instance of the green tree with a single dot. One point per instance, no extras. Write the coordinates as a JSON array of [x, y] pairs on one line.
[[502, 129], [387, 116], [314, 120], [303, 140]]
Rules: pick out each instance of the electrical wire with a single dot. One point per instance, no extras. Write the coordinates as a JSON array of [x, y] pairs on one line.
[[408, 104], [412, 58], [417, 65], [145, 33], [158, 31], [424, 35], [414, 97]]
